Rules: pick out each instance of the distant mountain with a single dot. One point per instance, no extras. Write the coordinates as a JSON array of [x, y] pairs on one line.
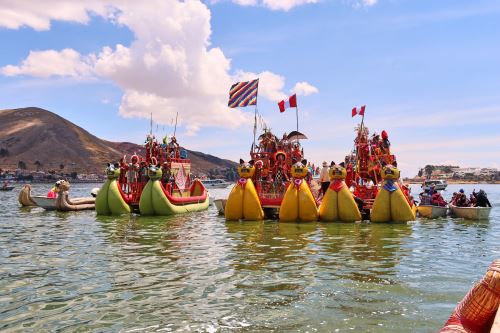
[[35, 138]]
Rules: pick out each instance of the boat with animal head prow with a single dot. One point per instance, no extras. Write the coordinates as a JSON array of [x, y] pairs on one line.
[[374, 179], [267, 176], [158, 183]]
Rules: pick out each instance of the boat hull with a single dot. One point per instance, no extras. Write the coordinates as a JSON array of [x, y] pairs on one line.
[[155, 200], [44, 202], [7, 188], [471, 213], [110, 201], [432, 212], [220, 204]]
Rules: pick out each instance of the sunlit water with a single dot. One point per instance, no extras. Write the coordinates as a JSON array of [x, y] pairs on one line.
[[196, 272]]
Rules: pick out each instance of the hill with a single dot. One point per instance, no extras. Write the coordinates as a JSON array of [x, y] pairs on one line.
[[33, 138]]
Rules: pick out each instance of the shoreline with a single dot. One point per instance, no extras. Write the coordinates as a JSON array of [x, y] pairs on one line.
[[462, 182]]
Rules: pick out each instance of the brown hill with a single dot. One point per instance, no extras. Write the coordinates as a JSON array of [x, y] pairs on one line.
[[39, 139]]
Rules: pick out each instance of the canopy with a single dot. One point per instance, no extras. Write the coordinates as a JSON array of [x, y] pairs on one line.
[[296, 135]]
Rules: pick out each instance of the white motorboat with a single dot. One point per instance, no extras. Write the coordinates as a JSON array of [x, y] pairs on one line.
[[439, 184], [215, 183], [471, 213]]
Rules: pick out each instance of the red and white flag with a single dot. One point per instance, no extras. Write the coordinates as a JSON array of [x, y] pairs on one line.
[[290, 103], [361, 111]]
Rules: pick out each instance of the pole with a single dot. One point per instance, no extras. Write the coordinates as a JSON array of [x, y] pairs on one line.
[[175, 128], [151, 124], [297, 114], [254, 128]]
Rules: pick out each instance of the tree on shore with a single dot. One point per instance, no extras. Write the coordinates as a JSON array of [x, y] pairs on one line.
[[21, 165], [38, 165], [428, 170]]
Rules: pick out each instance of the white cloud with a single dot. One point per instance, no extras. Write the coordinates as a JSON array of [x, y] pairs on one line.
[[270, 84], [169, 67], [38, 14], [284, 5], [304, 89], [362, 3], [48, 63]]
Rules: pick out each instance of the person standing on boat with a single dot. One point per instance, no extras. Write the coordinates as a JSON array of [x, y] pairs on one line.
[[324, 177], [482, 199]]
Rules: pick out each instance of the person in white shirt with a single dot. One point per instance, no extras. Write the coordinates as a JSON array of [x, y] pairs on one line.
[[324, 178]]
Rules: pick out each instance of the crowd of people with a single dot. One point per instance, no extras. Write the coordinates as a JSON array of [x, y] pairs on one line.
[[459, 199], [476, 199]]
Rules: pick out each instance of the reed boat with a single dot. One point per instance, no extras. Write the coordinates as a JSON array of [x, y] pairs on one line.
[[61, 201], [158, 183], [471, 213], [268, 176], [478, 311], [431, 211], [374, 179]]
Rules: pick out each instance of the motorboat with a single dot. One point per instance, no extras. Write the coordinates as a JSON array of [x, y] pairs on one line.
[[439, 184], [432, 211], [6, 188], [215, 183], [471, 213]]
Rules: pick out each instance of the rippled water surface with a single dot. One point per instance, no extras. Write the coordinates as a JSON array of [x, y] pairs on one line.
[[78, 272]]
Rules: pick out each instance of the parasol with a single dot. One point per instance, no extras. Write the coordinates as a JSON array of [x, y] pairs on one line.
[[296, 135]]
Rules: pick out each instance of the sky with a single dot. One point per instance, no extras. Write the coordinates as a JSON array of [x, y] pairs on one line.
[[428, 72]]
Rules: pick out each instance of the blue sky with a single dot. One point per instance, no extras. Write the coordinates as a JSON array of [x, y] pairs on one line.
[[428, 71]]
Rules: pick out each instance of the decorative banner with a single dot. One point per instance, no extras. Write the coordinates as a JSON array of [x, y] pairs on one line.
[[243, 94], [180, 171]]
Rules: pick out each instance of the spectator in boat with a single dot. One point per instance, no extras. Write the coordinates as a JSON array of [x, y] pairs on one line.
[[472, 199], [482, 199], [369, 184], [52, 194], [461, 199], [437, 200], [324, 177], [425, 198]]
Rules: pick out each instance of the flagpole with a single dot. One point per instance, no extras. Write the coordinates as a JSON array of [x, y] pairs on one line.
[[297, 114], [254, 128], [255, 117]]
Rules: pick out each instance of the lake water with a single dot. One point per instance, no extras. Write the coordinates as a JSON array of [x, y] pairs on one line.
[[72, 272]]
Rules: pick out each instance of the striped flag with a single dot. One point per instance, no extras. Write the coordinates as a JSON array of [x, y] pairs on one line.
[[243, 94]]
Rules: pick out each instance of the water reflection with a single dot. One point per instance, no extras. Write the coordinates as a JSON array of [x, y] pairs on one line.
[[195, 272]]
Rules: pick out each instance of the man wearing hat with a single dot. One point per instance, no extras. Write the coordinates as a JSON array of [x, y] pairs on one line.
[[462, 199], [324, 178]]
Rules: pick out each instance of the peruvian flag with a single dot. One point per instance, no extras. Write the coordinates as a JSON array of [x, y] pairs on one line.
[[290, 103], [361, 111]]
